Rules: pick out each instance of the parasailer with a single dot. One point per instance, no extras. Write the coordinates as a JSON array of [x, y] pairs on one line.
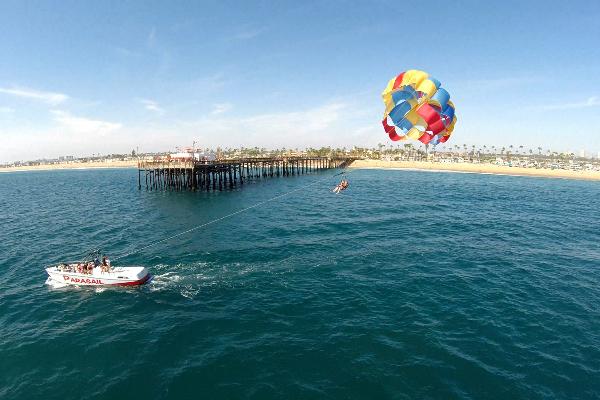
[[417, 107], [343, 185]]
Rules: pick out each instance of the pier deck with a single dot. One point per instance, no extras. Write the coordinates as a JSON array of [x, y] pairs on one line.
[[228, 173]]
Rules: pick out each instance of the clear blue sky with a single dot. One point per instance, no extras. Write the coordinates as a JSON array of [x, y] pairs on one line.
[[81, 77]]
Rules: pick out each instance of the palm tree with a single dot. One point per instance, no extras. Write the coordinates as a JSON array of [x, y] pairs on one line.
[[409, 148]]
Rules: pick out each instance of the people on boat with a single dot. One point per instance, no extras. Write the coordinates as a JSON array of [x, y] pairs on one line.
[[87, 266], [105, 264], [343, 185]]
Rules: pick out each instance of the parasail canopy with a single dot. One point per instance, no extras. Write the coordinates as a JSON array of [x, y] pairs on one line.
[[417, 107]]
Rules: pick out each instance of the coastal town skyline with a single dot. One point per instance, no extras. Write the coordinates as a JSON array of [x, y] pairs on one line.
[[109, 78], [381, 150]]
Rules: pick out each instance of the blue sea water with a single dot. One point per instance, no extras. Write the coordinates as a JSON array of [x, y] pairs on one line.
[[407, 285]]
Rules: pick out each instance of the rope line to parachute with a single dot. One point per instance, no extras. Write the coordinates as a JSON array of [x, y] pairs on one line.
[[228, 215]]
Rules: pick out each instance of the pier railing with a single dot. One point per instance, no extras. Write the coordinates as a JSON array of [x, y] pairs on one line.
[[227, 173]]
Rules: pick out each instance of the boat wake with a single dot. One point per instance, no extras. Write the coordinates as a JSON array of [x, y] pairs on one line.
[[190, 280], [186, 280]]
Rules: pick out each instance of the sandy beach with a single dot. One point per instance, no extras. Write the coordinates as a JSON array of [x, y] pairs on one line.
[[65, 166], [477, 169], [364, 164]]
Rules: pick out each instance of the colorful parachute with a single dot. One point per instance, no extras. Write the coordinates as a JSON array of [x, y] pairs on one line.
[[417, 107]]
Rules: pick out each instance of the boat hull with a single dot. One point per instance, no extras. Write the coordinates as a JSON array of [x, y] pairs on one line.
[[121, 276]]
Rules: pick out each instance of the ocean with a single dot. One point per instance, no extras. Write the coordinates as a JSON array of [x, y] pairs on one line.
[[408, 285]]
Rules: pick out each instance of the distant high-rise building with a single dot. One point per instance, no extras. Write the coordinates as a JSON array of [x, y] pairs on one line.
[[582, 153]]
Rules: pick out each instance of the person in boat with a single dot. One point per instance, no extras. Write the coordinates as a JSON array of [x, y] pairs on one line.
[[96, 262], [105, 264]]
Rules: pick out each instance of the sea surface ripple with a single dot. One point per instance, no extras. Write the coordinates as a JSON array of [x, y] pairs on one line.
[[407, 285]]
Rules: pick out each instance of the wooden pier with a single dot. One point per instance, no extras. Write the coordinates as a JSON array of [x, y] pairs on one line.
[[227, 174]]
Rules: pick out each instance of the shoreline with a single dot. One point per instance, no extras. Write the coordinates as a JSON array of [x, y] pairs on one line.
[[78, 166], [488, 169]]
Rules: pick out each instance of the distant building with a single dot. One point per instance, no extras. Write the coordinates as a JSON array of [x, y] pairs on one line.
[[190, 155], [582, 153]]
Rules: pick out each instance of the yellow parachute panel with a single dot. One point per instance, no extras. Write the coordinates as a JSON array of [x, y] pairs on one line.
[[427, 87], [414, 77], [414, 133], [388, 88]]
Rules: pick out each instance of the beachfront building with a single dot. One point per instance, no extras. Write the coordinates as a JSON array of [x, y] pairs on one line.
[[190, 154]]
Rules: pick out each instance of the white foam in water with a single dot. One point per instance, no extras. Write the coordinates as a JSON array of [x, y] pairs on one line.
[[182, 278], [190, 292], [189, 279], [164, 281]]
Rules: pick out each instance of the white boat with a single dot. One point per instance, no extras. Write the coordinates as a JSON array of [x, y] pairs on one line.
[[90, 273], [119, 276]]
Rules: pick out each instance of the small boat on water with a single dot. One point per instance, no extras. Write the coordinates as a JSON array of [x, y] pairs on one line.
[[92, 272]]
